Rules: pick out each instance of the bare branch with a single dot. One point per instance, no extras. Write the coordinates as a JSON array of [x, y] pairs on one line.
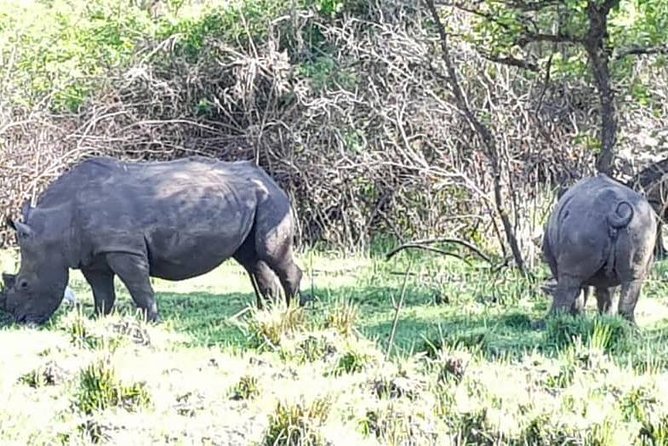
[[641, 51], [531, 37], [483, 131], [512, 61], [445, 240], [395, 251]]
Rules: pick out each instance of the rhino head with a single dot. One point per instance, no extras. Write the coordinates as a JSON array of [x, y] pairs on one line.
[[36, 291]]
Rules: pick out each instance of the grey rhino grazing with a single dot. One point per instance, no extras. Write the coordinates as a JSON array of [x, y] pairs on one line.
[[169, 219], [602, 234]]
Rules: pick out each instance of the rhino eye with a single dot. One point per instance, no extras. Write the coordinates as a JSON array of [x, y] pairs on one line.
[[23, 284]]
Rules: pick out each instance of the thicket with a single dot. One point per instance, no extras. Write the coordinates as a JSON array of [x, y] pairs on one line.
[[347, 103]]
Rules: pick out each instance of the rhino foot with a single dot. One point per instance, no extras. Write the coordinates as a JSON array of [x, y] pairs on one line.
[[539, 324], [306, 298]]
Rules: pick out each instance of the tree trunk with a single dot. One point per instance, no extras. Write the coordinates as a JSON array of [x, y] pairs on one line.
[[487, 138], [599, 58]]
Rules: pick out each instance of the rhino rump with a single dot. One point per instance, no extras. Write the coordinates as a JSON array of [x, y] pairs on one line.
[[599, 232]]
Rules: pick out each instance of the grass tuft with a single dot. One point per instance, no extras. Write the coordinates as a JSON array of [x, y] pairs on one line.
[[354, 359], [248, 387], [298, 423], [268, 327], [342, 317], [100, 388], [49, 374], [93, 430], [610, 334]]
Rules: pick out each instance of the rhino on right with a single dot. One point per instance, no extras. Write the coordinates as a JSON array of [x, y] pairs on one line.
[[601, 233]]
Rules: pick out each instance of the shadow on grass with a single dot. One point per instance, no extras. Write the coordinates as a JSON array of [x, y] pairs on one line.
[[203, 317], [206, 318], [499, 330], [510, 334]]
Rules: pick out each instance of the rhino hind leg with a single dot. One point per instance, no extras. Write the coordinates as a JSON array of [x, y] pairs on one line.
[[290, 276], [659, 248], [133, 270], [580, 301], [264, 282], [629, 298], [566, 295], [102, 284], [261, 276], [273, 244]]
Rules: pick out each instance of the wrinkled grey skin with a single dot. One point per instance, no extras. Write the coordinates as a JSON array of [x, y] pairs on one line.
[[601, 234], [172, 220]]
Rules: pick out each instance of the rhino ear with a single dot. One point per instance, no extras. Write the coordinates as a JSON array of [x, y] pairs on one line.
[[10, 222], [22, 229], [8, 280], [25, 210]]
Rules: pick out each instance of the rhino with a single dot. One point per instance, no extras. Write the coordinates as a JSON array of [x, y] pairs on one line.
[[172, 220], [652, 181], [601, 234]]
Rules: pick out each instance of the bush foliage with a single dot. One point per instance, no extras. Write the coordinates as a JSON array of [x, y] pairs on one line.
[[344, 102]]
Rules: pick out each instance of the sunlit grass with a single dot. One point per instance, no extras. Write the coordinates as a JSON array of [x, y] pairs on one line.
[[469, 364]]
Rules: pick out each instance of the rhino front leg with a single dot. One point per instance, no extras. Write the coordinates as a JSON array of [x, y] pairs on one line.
[[581, 301], [629, 298], [604, 300], [659, 248], [102, 284], [133, 271], [566, 295]]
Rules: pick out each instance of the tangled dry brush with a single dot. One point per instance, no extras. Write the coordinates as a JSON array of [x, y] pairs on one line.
[[365, 137]]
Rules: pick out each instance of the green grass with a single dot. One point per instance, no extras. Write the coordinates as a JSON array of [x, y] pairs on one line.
[[468, 365]]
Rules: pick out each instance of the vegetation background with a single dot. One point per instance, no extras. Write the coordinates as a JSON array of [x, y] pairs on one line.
[[383, 124]]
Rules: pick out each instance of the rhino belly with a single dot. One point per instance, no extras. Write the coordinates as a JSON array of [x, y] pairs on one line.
[[180, 256], [194, 243]]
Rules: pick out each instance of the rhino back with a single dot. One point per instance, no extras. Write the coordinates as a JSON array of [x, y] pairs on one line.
[[75, 179], [186, 212]]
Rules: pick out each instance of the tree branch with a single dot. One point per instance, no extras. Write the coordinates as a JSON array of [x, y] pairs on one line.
[[512, 61], [640, 51], [464, 243], [395, 251], [530, 37], [484, 133]]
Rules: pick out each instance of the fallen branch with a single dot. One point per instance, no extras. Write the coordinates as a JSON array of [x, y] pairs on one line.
[[397, 310], [391, 254], [420, 244]]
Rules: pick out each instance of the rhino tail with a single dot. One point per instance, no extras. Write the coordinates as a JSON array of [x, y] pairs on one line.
[[618, 220]]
